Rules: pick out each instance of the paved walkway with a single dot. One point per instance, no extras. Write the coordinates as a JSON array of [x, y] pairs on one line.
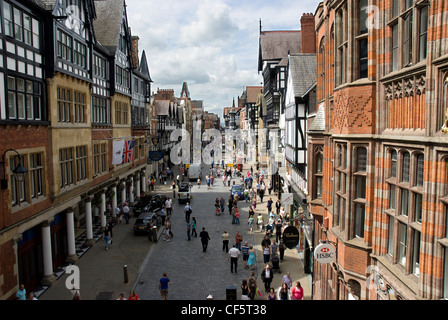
[[193, 274]]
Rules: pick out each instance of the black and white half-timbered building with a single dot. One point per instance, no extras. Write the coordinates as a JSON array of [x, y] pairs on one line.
[[69, 91]]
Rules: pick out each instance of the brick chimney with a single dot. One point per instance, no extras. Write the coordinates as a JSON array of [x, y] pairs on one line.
[[308, 33], [135, 60]]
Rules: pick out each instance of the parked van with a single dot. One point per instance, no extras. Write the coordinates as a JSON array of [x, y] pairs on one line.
[[194, 171]]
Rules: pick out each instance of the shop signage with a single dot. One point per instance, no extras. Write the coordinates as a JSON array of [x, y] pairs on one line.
[[287, 198], [155, 155], [291, 237], [324, 253]]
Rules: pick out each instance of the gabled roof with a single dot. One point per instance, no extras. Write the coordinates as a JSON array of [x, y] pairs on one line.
[[302, 68], [252, 93], [144, 69], [185, 90], [108, 22], [276, 45], [319, 121]]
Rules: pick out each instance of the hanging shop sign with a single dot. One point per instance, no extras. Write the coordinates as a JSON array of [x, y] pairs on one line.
[[155, 155], [287, 198], [291, 237], [155, 141], [324, 253]]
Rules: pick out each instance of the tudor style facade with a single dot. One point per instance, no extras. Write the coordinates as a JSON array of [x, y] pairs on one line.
[[71, 90], [384, 149]]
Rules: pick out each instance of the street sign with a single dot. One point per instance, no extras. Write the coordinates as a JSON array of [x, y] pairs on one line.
[[287, 198], [290, 237], [324, 253]]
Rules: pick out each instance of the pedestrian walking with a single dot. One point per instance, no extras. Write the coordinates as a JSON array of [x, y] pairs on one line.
[[222, 203], [281, 250], [233, 255], [106, 236], [287, 280], [193, 227], [271, 294], [163, 286], [21, 293], [238, 240], [169, 206], [250, 222], [245, 253], [278, 206], [244, 290], [278, 230], [252, 284], [126, 212], [260, 222], [225, 241], [167, 230], [204, 239], [267, 276], [133, 296], [251, 259], [187, 211], [237, 216], [163, 214], [188, 230], [283, 292], [269, 205], [297, 292]]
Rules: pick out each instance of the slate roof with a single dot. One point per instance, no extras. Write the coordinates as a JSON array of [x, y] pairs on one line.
[[144, 69], [302, 68], [252, 93], [275, 45], [319, 120], [162, 107], [108, 22]]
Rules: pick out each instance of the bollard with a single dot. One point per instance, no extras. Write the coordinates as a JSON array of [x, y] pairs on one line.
[[125, 273]]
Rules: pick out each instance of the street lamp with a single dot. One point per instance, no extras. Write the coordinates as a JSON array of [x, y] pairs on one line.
[[19, 171]]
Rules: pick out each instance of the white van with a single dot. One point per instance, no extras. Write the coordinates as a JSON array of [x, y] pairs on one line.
[[194, 171]]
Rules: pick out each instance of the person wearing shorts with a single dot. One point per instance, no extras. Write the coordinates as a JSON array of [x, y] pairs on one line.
[[163, 286]]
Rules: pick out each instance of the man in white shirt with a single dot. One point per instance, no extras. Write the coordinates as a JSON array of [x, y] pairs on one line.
[[169, 206], [187, 211], [126, 212], [233, 256]]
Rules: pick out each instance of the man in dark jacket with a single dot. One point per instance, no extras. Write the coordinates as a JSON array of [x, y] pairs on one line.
[[204, 239], [267, 275]]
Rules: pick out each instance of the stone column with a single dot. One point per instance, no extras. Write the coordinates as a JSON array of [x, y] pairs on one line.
[[103, 209], [131, 192], [137, 185], [48, 278], [114, 200], [143, 181], [89, 230], [123, 193], [72, 257]]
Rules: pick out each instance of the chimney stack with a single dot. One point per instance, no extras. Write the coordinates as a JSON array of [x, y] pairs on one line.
[[135, 60], [308, 33]]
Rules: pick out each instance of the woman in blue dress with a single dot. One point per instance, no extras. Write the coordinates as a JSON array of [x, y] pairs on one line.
[[251, 260]]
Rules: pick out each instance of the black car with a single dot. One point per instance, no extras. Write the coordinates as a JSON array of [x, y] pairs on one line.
[[141, 223], [149, 203]]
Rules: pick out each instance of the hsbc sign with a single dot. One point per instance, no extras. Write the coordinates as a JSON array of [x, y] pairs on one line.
[[324, 253]]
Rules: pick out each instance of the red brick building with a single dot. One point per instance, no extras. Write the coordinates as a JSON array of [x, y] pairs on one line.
[[381, 72]]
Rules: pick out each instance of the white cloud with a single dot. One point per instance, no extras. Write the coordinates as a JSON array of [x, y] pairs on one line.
[[210, 44]]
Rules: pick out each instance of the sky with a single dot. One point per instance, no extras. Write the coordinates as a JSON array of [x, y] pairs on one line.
[[210, 44]]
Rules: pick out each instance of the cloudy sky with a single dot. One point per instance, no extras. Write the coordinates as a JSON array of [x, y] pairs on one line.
[[210, 44]]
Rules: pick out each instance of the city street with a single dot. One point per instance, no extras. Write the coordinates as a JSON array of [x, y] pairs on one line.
[[193, 274]]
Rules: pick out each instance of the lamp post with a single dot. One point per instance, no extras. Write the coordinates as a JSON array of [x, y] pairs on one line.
[[19, 171]]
